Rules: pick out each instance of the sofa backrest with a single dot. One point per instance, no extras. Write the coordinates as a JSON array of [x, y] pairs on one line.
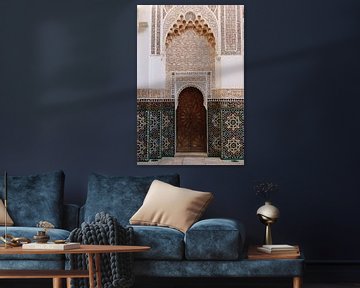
[[70, 219], [120, 196], [35, 198]]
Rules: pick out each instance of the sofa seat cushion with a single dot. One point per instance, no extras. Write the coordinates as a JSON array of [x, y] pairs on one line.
[[166, 243], [39, 264], [29, 232], [214, 239], [120, 196], [213, 269]]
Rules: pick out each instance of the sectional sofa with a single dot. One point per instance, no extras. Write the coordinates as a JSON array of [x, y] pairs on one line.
[[209, 248]]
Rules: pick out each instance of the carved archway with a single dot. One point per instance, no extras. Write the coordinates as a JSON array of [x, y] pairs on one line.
[[191, 131], [187, 22], [192, 11]]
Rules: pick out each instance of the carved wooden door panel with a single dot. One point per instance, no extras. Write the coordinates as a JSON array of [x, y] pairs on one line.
[[191, 122]]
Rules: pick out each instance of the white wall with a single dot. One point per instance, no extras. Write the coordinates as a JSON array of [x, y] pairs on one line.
[[157, 76], [143, 46], [230, 71], [150, 68]]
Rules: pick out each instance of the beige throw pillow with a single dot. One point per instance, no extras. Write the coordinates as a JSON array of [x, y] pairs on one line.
[[9, 221], [170, 206]]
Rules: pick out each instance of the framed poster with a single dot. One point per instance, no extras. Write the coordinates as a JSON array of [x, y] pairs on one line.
[[190, 85]]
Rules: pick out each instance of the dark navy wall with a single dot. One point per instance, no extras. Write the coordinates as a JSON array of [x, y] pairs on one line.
[[68, 101]]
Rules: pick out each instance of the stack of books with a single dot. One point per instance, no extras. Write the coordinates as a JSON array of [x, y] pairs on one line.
[[51, 246], [282, 251], [279, 249]]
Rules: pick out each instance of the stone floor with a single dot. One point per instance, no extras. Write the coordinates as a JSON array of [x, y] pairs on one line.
[[191, 159]]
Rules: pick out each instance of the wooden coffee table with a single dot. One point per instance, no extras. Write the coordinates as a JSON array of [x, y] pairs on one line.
[[93, 251]]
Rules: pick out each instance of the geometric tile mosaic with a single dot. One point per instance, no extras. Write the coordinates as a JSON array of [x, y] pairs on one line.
[[156, 129], [226, 129], [142, 136], [232, 134], [168, 130], [214, 129], [154, 125]]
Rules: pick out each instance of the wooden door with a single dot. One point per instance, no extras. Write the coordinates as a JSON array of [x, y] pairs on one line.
[[191, 122]]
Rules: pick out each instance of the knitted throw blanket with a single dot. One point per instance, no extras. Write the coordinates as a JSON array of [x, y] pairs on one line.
[[116, 268]]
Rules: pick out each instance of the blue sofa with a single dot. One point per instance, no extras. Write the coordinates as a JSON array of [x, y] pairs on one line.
[[32, 199], [210, 248]]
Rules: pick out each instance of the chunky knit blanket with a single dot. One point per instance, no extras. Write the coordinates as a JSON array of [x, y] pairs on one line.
[[116, 268]]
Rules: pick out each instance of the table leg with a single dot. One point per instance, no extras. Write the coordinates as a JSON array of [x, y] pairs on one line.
[[91, 270], [68, 282], [57, 283], [98, 270], [297, 282]]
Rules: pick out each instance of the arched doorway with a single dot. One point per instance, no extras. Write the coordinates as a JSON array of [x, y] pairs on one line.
[[191, 133]]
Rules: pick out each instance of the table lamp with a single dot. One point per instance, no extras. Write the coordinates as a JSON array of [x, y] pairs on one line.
[[268, 214]]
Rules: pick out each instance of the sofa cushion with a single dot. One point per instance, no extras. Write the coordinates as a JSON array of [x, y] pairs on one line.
[[165, 243], [39, 264], [9, 221], [119, 196], [222, 269], [35, 198], [29, 232], [170, 206], [214, 239]]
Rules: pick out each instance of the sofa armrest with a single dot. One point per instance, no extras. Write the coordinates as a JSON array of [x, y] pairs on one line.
[[215, 239], [70, 216]]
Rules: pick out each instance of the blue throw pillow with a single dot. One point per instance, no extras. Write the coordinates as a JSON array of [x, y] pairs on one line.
[[120, 196], [35, 198]]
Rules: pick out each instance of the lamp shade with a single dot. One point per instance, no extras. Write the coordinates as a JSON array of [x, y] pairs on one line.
[[268, 211]]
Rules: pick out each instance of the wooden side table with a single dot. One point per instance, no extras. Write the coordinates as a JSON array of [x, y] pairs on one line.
[[93, 251], [254, 254]]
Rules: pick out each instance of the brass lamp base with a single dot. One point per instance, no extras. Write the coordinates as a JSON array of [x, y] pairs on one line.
[[268, 238]]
